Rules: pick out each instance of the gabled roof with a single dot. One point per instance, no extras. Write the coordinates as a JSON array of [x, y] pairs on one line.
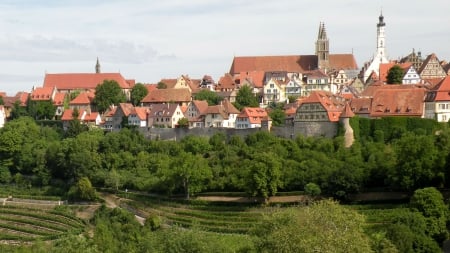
[[347, 112], [431, 57], [140, 112], [443, 90], [332, 103], [84, 98], [58, 100], [226, 82], [201, 105], [361, 105], [316, 74], [74, 81], [254, 114], [167, 95], [162, 110], [126, 108], [42, 93], [229, 107], [398, 102], [68, 114], [254, 77], [224, 109]]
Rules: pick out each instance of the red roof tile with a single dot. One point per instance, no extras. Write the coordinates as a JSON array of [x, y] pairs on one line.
[[58, 100], [398, 102], [84, 98], [201, 105], [342, 61], [385, 67], [443, 90], [74, 81], [167, 95], [42, 94], [254, 114]]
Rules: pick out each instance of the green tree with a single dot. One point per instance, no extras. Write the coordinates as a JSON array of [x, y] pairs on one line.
[[395, 75], [108, 93], [1, 101], [245, 98], [210, 96], [161, 85], [278, 116], [18, 110], [75, 126], [312, 189], [138, 92], [183, 123], [263, 174], [430, 203], [82, 190], [41, 109], [324, 226]]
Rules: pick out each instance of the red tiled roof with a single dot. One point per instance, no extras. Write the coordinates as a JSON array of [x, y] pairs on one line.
[[166, 110], [58, 100], [91, 117], [170, 83], [361, 105], [2, 94], [342, 61], [201, 105], [347, 112], [289, 63], [443, 90], [226, 82], [229, 107], [167, 95], [140, 112], [74, 81], [68, 114], [330, 102], [255, 77], [151, 87], [398, 102], [42, 94], [127, 108], [84, 98], [254, 114]]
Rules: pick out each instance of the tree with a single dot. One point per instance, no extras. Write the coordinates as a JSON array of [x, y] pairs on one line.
[[75, 126], [18, 110], [183, 123], [430, 203], [83, 190], [245, 98], [108, 93], [263, 177], [138, 92], [161, 85], [210, 96], [395, 75], [41, 109], [324, 226], [312, 189], [278, 116]]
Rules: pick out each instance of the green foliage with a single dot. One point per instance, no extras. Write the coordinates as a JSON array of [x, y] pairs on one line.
[[324, 226], [395, 75], [183, 123], [245, 98], [161, 85], [82, 190], [138, 92], [312, 189], [108, 93], [41, 109], [18, 110], [210, 96], [278, 116]]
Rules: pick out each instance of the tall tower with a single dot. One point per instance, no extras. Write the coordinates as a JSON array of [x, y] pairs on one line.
[[97, 67], [380, 54], [322, 47]]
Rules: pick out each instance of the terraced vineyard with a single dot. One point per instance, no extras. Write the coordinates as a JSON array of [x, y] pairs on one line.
[[215, 217], [25, 224]]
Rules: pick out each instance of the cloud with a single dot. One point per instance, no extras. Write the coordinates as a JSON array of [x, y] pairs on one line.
[[59, 49]]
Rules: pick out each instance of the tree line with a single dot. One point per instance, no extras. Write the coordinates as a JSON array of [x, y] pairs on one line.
[[260, 164]]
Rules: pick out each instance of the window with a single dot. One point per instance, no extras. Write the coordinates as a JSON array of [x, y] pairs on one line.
[[271, 85]]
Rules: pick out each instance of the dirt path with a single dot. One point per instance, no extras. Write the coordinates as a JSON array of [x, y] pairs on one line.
[[112, 201]]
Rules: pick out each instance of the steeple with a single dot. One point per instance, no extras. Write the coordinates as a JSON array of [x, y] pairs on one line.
[[322, 47], [97, 67], [381, 36]]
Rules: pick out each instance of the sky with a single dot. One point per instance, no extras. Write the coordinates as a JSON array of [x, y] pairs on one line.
[[148, 40]]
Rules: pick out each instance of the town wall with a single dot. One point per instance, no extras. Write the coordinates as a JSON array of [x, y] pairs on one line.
[[326, 129]]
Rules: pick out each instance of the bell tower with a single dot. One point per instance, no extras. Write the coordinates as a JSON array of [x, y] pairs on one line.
[[381, 47], [322, 47]]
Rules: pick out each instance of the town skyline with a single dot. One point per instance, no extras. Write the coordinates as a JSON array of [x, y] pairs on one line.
[[199, 37]]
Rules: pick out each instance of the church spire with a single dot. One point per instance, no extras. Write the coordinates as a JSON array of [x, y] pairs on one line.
[[322, 47], [97, 67]]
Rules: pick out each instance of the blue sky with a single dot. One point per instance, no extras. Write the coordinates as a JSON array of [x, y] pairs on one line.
[[148, 40]]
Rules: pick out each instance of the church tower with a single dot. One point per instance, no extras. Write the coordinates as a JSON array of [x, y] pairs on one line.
[[322, 47], [97, 67], [380, 54]]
